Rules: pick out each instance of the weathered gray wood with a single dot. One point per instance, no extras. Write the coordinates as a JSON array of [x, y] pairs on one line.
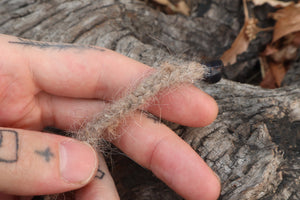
[[254, 143]]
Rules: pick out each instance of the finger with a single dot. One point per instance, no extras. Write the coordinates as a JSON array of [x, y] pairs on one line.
[[186, 105], [32, 164], [74, 71], [157, 148], [67, 113], [101, 188], [89, 73]]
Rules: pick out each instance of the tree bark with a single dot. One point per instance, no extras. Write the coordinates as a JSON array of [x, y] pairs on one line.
[[254, 143]]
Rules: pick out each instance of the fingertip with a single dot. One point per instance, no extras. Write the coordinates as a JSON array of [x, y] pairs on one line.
[[209, 110], [212, 188], [186, 105], [78, 162], [217, 188], [191, 169], [195, 108], [102, 187]]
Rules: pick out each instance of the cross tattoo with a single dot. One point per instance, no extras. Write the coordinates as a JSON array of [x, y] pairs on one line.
[[46, 153]]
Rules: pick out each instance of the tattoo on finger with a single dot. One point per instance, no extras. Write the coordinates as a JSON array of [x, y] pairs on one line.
[[47, 154], [100, 174], [149, 115], [47, 45], [9, 146]]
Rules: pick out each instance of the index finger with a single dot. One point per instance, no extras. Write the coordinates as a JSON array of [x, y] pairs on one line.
[[94, 72]]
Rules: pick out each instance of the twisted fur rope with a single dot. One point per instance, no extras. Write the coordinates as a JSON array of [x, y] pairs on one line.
[[104, 124]]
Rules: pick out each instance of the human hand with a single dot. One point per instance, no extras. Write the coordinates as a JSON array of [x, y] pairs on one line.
[[63, 85]]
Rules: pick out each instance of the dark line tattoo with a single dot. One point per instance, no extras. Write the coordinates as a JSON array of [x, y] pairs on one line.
[[100, 174], [151, 116], [9, 146], [1, 138], [47, 45], [47, 154]]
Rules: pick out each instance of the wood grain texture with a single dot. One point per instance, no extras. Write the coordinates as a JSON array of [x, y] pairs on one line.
[[254, 143]]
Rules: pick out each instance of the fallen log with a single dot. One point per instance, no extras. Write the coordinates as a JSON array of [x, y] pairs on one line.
[[254, 143]]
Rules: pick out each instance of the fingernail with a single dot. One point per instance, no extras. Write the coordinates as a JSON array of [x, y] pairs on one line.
[[78, 161]]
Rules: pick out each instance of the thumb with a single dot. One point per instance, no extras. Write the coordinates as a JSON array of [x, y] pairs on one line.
[[33, 163]]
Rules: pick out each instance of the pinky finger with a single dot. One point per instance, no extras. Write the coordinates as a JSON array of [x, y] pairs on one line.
[[101, 188]]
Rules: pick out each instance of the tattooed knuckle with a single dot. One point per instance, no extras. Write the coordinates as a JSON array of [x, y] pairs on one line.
[[100, 174], [9, 146], [46, 154]]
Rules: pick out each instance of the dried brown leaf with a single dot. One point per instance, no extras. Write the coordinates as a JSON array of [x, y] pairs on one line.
[[284, 47], [274, 75], [268, 81], [241, 43], [288, 21], [288, 52], [270, 49], [296, 40], [276, 55], [179, 7], [273, 3], [183, 8], [275, 64], [278, 71]]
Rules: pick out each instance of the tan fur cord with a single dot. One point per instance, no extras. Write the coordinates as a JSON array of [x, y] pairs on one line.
[[104, 124]]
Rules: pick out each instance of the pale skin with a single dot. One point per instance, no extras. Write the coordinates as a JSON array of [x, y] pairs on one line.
[[64, 85]]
